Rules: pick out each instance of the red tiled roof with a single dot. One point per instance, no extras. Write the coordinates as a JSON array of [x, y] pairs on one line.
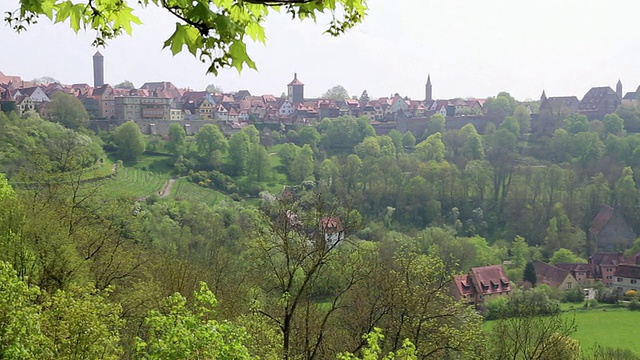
[[549, 274], [490, 279], [628, 271], [464, 284]]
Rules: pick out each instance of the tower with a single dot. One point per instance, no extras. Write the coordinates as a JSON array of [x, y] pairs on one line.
[[619, 89], [98, 70], [428, 95], [295, 90], [543, 97]]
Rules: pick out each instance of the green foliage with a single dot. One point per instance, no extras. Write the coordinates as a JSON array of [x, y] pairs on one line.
[[177, 139], [68, 111], [432, 148], [565, 256], [239, 147], [337, 92], [126, 84], [372, 350], [63, 326], [129, 140], [609, 353], [634, 305], [408, 140], [529, 274], [343, 133], [188, 331], [436, 125], [211, 144], [575, 295], [215, 33], [214, 89]]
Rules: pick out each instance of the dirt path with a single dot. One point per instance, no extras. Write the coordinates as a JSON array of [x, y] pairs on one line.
[[166, 190]]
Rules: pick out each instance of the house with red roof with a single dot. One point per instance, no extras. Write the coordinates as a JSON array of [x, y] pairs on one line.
[[481, 284], [555, 277]]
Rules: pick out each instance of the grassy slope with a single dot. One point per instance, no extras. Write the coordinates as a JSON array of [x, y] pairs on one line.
[[135, 182], [185, 190]]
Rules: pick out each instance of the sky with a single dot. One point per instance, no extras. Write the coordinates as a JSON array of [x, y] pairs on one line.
[[469, 48]]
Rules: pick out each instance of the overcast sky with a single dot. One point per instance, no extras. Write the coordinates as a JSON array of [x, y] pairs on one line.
[[470, 49]]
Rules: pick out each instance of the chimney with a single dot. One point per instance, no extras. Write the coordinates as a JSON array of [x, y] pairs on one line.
[[98, 70]]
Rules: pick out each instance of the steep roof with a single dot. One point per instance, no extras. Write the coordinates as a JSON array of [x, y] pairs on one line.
[[574, 267], [295, 80], [490, 279], [600, 220], [593, 99], [463, 284], [628, 271], [606, 259], [549, 274]]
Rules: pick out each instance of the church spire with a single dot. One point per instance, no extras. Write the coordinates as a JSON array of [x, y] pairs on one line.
[[543, 97], [619, 89], [428, 94]]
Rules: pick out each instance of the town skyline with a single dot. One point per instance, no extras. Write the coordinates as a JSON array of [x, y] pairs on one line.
[[506, 51]]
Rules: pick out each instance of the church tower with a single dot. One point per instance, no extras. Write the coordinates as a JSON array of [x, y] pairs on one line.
[[619, 89], [543, 97], [98, 70], [428, 95], [295, 90]]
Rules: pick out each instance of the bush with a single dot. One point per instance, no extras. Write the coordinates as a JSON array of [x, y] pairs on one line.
[[634, 305], [607, 353], [575, 295]]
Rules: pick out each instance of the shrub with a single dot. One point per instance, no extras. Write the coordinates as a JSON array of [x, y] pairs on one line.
[[574, 295], [634, 305], [631, 293]]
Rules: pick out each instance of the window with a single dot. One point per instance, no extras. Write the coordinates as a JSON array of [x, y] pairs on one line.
[[633, 281], [472, 296], [609, 277], [568, 285]]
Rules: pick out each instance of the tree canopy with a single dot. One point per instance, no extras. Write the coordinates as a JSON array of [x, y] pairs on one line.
[[68, 111], [337, 92], [214, 31]]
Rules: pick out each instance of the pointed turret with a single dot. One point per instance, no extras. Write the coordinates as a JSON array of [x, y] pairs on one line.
[[619, 89], [428, 95], [296, 90], [98, 70], [543, 97]]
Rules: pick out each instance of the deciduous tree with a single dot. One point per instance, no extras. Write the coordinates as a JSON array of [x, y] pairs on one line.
[[129, 140], [213, 31], [68, 111]]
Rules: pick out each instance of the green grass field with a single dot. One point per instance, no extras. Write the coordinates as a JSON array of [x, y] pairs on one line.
[[185, 190], [607, 327]]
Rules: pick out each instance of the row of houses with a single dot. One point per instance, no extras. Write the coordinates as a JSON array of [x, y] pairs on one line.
[[613, 270], [607, 265], [163, 100]]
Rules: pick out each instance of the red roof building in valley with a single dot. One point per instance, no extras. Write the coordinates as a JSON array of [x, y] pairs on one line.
[[481, 284]]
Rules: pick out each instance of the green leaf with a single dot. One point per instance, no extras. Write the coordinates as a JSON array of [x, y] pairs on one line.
[[239, 56], [125, 18], [184, 35]]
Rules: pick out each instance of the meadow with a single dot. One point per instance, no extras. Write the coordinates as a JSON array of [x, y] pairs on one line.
[[607, 327]]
